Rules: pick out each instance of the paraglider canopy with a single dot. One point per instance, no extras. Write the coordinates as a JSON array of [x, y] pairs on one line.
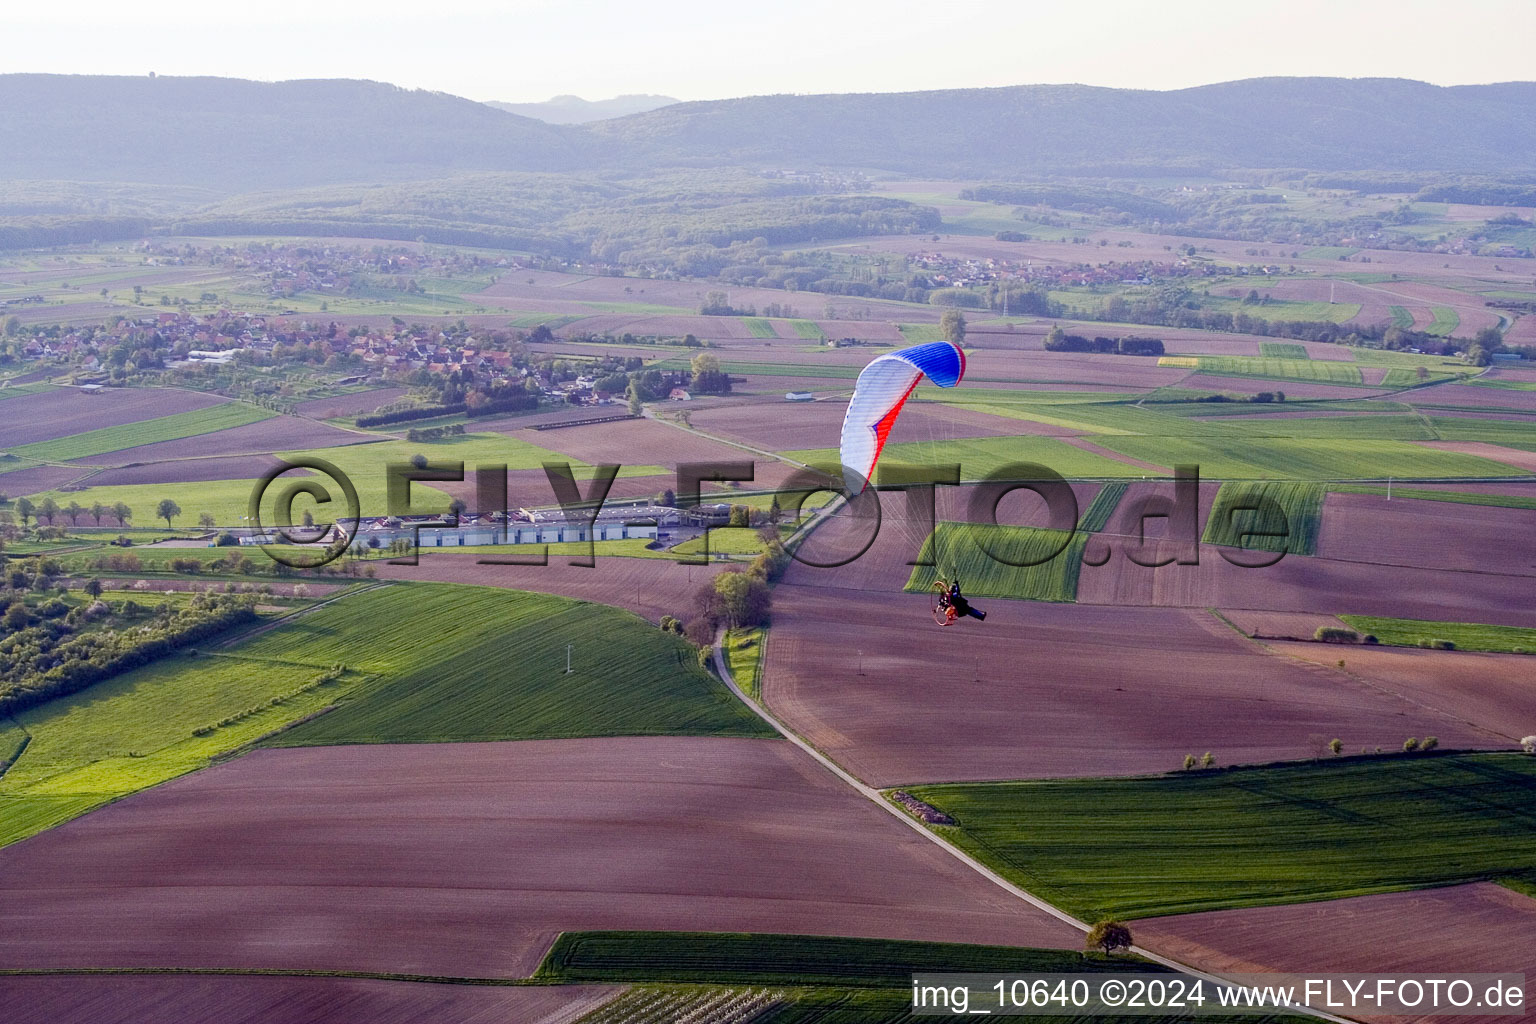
[[882, 389]]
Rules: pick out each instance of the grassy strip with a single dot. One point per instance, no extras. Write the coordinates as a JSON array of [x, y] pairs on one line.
[[744, 657], [1213, 840], [760, 327], [1421, 494], [1467, 636], [808, 330], [131, 435], [985, 557], [1401, 318], [480, 663], [1301, 505], [758, 959]]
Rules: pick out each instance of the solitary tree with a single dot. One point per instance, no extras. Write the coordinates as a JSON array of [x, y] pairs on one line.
[[1336, 745], [775, 511], [419, 461], [1208, 761], [206, 520], [74, 510], [952, 325], [122, 513], [25, 509], [98, 511], [167, 510], [1109, 936], [49, 509], [93, 587]]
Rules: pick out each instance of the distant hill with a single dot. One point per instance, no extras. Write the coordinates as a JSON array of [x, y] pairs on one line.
[[234, 135], [231, 135], [1311, 123], [575, 110]]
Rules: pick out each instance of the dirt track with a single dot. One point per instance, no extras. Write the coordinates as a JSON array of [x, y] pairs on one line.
[[334, 859]]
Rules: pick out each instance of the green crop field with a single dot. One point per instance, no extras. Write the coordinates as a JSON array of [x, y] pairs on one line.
[[1209, 840], [1463, 428], [553, 320], [450, 662], [1283, 350], [1506, 385], [744, 657], [1329, 252], [1327, 371], [1097, 515], [1286, 309], [17, 390], [984, 558], [1467, 636], [1401, 318], [1278, 458], [980, 456], [136, 730], [808, 330], [1423, 494], [1402, 377], [916, 334], [760, 327], [130, 435], [765, 959], [1446, 321], [1301, 505], [723, 540]]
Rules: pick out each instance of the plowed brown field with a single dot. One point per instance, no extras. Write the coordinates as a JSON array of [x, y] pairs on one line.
[[1431, 932], [335, 859], [64, 411], [253, 999]]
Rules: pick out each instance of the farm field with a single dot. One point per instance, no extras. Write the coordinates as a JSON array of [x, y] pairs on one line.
[[1307, 459], [1326, 371], [1029, 670], [1491, 692], [710, 958], [1284, 834], [1456, 928], [145, 432], [365, 464], [1235, 521], [980, 456], [649, 587], [138, 730], [673, 834], [1018, 562], [120, 999], [442, 674], [1467, 636], [59, 412]]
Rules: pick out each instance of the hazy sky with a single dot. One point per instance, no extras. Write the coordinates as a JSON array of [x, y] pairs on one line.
[[523, 50]]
